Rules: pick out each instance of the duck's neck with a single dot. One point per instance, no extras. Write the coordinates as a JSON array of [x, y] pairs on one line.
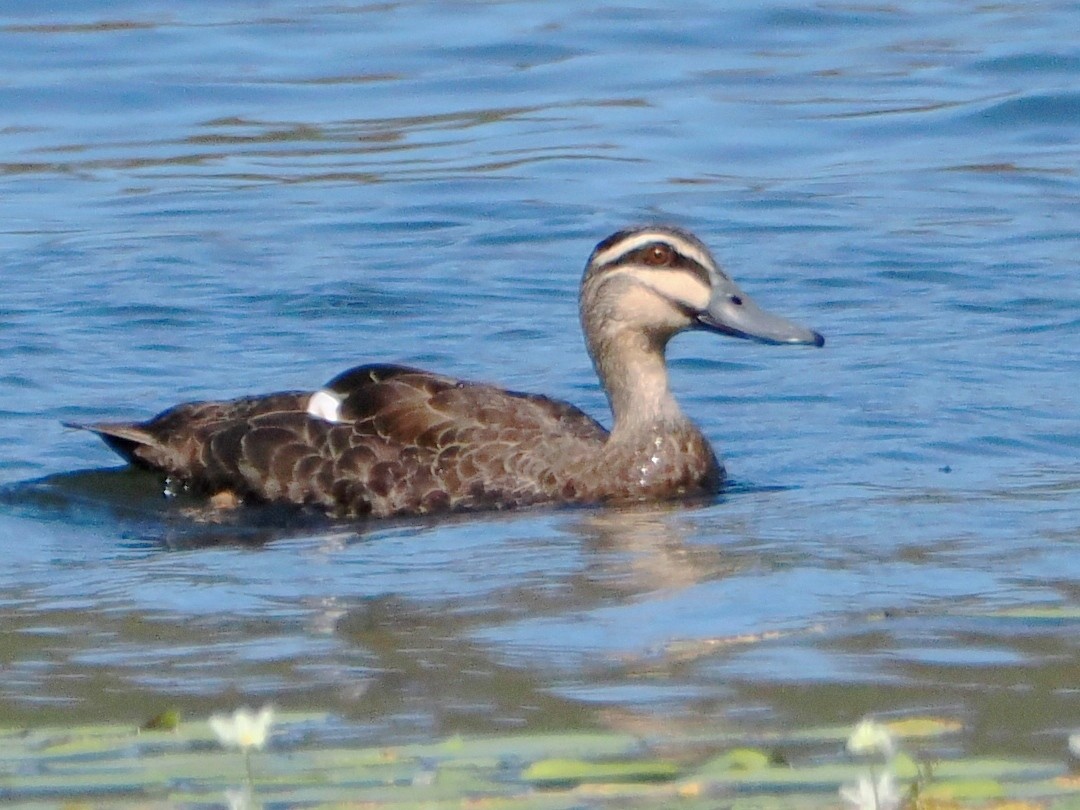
[[633, 371]]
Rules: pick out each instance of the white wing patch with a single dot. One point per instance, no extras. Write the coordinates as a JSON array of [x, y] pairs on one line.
[[325, 405]]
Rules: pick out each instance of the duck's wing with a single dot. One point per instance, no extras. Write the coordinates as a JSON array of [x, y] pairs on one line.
[[416, 408], [397, 440]]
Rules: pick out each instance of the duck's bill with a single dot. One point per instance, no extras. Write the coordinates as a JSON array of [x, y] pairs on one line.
[[732, 312]]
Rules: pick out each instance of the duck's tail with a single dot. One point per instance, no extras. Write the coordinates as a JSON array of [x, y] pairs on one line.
[[129, 440]]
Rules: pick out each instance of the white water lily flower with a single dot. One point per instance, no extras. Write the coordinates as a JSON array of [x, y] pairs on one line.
[[870, 795], [1074, 744], [238, 799], [243, 729], [870, 737]]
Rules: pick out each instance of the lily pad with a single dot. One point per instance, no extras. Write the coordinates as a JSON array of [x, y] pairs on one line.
[[576, 771]]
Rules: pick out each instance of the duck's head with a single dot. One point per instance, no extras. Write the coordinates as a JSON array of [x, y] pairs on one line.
[[657, 281]]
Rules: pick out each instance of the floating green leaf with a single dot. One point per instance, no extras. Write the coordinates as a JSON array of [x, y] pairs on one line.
[[1054, 613], [168, 720], [954, 790], [576, 771], [911, 728]]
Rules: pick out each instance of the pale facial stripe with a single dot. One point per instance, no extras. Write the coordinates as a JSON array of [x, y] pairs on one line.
[[643, 238], [680, 286]]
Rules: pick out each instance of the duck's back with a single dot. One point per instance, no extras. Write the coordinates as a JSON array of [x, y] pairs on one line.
[[399, 441]]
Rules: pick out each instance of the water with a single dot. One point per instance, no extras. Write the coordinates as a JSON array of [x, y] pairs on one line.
[[225, 198]]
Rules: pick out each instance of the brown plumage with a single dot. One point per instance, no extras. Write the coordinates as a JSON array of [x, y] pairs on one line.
[[385, 440]]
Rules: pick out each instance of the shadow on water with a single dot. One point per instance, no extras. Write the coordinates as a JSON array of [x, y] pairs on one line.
[[134, 502]]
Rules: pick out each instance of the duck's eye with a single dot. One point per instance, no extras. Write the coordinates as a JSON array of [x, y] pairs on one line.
[[735, 300], [659, 256]]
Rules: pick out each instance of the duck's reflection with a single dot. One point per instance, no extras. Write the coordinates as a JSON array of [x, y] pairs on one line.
[[439, 661], [643, 549]]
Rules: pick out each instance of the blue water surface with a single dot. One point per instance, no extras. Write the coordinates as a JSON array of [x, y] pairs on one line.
[[214, 199]]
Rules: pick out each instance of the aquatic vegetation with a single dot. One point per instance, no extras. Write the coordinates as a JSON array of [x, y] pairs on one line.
[[870, 737], [243, 729], [875, 789], [239, 799], [248, 731], [871, 794], [312, 764]]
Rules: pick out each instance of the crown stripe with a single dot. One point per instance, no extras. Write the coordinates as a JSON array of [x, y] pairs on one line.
[[639, 239]]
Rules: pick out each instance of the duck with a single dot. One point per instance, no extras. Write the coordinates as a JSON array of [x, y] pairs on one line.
[[383, 440]]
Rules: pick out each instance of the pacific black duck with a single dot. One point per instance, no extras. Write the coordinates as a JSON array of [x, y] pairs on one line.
[[385, 440]]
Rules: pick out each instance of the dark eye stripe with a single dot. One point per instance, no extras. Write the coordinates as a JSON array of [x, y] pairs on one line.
[[680, 262]]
